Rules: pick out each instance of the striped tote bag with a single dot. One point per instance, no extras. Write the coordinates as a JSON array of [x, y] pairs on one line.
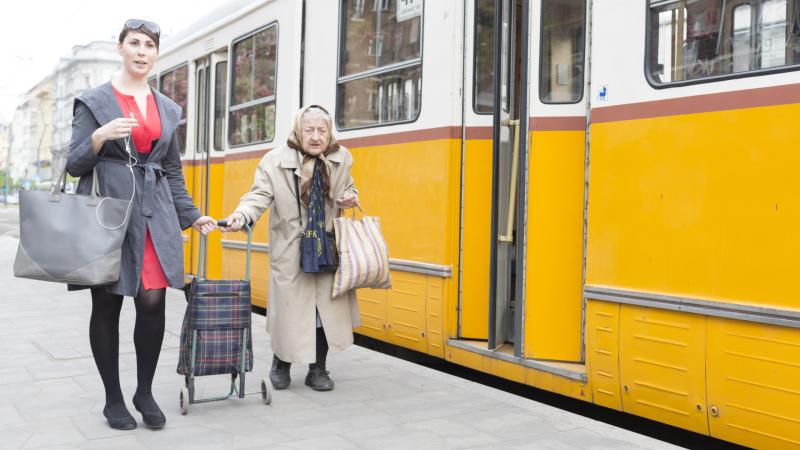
[[363, 254]]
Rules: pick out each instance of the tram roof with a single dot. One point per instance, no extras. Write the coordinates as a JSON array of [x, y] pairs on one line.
[[216, 18]]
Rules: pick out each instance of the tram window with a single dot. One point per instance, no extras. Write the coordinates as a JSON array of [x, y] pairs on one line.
[[175, 85], [742, 38], [562, 51], [220, 84], [202, 119], [483, 76], [252, 103], [380, 63], [153, 82], [692, 40]]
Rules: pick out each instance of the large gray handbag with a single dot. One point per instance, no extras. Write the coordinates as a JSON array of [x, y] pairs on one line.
[[71, 238]]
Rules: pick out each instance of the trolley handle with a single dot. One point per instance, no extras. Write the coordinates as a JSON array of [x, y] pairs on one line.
[[203, 250]]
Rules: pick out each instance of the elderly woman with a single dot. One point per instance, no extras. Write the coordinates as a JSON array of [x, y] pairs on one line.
[[309, 177], [118, 117]]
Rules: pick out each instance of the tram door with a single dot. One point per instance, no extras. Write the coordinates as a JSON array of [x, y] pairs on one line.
[[209, 114], [505, 265]]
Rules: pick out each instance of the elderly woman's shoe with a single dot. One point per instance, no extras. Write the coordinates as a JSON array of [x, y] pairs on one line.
[[318, 379], [279, 375], [118, 416], [151, 413]]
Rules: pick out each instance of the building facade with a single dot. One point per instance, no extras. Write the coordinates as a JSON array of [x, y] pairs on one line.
[[43, 121], [33, 135], [5, 136], [88, 66]]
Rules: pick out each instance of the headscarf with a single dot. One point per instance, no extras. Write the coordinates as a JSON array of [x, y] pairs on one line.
[[317, 253], [295, 141]]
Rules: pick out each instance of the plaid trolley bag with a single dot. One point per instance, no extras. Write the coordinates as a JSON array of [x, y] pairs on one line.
[[216, 334]]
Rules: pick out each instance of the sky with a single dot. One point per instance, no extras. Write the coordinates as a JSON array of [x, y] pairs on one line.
[[35, 34]]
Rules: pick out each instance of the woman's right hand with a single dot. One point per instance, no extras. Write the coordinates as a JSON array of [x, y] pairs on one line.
[[116, 129], [235, 222]]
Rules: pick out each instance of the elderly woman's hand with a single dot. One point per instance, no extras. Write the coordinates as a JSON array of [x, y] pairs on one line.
[[205, 224], [348, 200], [235, 221]]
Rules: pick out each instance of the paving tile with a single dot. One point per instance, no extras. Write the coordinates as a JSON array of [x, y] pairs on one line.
[[50, 432], [324, 443], [456, 434], [251, 431], [12, 437], [329, 420], [125, 442], [186, 437], [397, 437]]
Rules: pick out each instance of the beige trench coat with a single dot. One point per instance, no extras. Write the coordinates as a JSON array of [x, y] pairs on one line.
[[294, 296]]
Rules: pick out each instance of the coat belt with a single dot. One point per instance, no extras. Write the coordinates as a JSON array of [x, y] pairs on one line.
[[152, 171]]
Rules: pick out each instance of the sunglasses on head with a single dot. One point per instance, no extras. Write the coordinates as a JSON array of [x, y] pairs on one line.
[[135, 24]]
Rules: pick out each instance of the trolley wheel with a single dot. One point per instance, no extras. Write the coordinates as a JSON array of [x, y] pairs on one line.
[[184, 400], [266, 392]]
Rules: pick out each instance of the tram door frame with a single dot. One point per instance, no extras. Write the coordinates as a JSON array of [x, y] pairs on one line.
[[204, 133], [509, 154]]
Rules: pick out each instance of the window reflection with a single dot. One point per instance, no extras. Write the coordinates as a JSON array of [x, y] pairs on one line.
[[252, 109], [389, 97], [220, 84], [483, 85], [563, 25], [379, 66], [175, 85], [705, 38]]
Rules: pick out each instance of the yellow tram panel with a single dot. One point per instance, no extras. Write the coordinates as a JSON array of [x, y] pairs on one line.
[[752, 383], [602, 352], [728, 200], [239, 172], [188, 178], [434, 315], [553, 296], [476, 229], [411, 196], [372, 306], [662, 366]]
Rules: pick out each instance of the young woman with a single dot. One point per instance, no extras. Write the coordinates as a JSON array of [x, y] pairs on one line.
[[308, 177], [114, 125]]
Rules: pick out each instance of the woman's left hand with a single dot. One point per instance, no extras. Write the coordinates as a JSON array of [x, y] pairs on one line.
[[205, 224], [348, 200]]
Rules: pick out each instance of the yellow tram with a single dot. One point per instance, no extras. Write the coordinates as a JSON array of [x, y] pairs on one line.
[[592, 197]]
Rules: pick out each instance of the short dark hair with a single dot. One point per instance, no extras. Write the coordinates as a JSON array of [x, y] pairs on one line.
[[143, 30]]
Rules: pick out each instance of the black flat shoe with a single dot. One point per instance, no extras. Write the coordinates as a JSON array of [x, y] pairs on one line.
[[152, 419], [279, 375], [318, 379], [123, 422]]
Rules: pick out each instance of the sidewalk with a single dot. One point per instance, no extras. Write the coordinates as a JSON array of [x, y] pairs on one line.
[[51, 394]]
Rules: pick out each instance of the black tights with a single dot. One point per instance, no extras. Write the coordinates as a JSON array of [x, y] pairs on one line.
[[148, 334]]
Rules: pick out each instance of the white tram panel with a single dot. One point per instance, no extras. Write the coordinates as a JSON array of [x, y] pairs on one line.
[[441, 65], [618, 51], [288, 15], [537, 108], [471, 118]]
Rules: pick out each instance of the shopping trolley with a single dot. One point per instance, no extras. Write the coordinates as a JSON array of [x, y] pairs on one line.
[[216, 334]]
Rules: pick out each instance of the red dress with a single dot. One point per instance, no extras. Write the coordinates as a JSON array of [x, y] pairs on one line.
[[149, 130]]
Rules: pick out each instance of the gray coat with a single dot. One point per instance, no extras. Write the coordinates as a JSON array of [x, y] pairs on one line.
[[161, 202]]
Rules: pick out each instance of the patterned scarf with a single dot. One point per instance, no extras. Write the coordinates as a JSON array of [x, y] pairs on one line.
[[307, 168], [317, 251]]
